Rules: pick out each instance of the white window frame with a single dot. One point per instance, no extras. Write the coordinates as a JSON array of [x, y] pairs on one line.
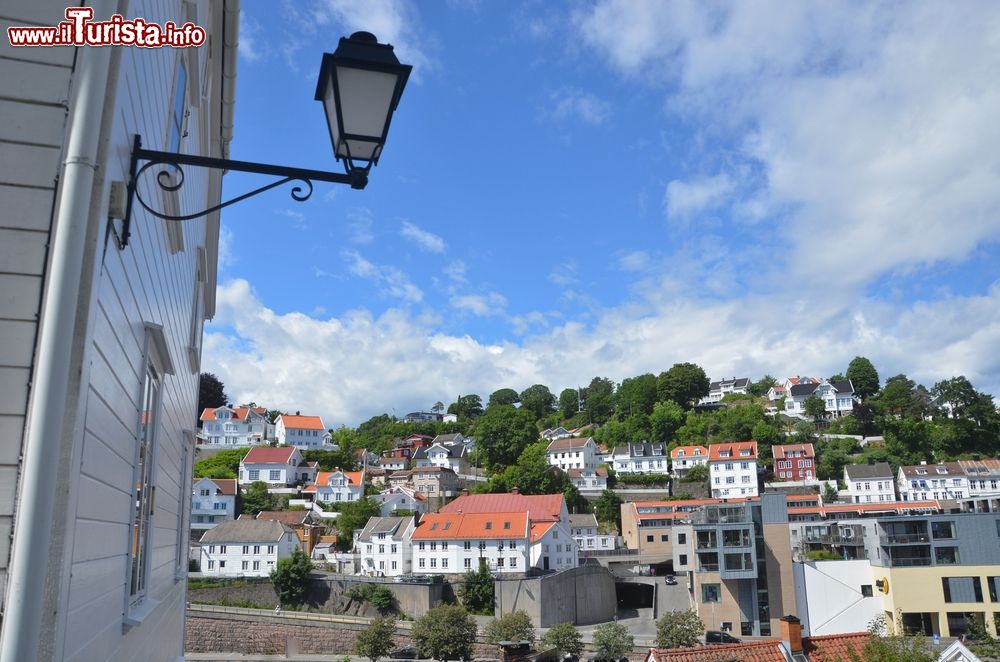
[[156, 366]]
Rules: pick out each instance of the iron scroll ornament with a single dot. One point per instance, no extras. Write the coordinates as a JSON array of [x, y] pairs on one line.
[[171, 179]]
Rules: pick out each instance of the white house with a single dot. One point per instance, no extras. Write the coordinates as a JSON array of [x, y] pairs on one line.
[[452, 456], [213, 501], [589, 480], [234, 426], [640, 458], [102, 329], [869, 483], [983, 475], [337, 486], [837, 397], [556, 433], [723, 387], [573, 453], [452, 543], [732, 469], [401, 498], [685, 458], [924, 482], [278, 467], [246, 548], [384, 546], [588, 537], [300, 431]]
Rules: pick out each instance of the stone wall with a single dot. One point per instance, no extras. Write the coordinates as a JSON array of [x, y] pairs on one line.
[[583, 595]]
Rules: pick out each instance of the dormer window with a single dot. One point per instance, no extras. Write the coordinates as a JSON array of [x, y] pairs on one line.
[[697, 451], [680, 453], [723, 453], [489, 525], [922, 472], [744, 453], [506, 525], [942, 470]]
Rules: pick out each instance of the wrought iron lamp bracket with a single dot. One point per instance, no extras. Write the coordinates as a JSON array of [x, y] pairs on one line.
[[170, 178]]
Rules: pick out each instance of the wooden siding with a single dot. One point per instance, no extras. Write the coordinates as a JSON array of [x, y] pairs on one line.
[[33, 111]]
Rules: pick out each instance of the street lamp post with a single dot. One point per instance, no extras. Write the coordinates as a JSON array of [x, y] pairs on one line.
[[359, 84]]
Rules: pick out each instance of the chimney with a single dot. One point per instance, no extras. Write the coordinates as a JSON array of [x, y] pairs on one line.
[[791, 633], [515, 490]]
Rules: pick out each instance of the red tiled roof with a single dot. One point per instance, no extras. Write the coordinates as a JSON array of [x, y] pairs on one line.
[[757, 651], [779, 451], [471, 526], [734, 449], [354, 479], [540, 508], [689, 451], [539, 529], [289, 517], [302, 422], [239, 412], [262, 455], [568, 443], [833, 647], [227, 486]]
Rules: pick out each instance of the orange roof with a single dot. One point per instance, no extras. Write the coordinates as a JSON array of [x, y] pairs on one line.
[[540, 508], [757, 651], [227, 486], [779, 451], [734, 449], [833, 647], [354, 479], [267, 455], [289, 517], [689, 451], [471, 526], [239, 412], [539, 529], [302, 422]]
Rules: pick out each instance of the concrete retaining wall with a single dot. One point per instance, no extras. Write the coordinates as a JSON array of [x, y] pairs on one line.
[[583, 595]]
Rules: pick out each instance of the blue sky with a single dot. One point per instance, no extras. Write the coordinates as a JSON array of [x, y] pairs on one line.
[[607, 188]]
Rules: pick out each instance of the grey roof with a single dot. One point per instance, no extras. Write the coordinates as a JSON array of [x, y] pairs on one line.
[[644, 449], [246, 530], [583, 521], [449, 438], [454, 450], [742, 382], [388, 525], [863, 471], [841, 386]]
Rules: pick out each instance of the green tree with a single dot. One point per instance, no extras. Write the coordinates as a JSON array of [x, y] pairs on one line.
[[477, 591], [538, 399], [980, 641], [896, 397], [445, 632], [636, 395], [381, 598], [612, 641], [608, 508], [375, 641], [531, 473], [354, 515], [502, 397], [885, 647], [679, 629], [224, 464], [666, 419], [291, 577], [565, 638], [598, 399], [515, 626], [466, 407], [569, 402], [328, 460], [815, 407], [437, 407], [683, 383], [863, 376], [211, 394], [760, 387], [502, 434], [830, 494], [696, 474], [256, 499]]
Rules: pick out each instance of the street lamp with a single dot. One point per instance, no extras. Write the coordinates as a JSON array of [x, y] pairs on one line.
[[359, 84]]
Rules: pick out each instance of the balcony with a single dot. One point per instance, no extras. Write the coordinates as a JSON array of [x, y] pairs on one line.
[[904, 538], [910, 562], [708, 567], [836, 539]]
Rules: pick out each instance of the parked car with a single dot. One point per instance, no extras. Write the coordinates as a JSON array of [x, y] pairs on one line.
[[671, 580], [404, 653], [717, 637]]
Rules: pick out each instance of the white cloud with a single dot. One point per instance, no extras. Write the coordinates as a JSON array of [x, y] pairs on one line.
[[248, 46], [481, 305], [394, 22], [873, 129], [683, 199], [227, 257], [355, 366], [565, 274], [427, 241], [455, 271], [633, 261], [569, 102], [391, 280], [359, 226]]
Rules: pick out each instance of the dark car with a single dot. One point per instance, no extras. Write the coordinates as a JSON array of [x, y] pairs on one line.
[[404, 653], [716, 637], [671, 580]]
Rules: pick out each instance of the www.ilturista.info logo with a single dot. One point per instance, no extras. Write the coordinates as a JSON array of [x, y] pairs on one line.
[[79, 29]]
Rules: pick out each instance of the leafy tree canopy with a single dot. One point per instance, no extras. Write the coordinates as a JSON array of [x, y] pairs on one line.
[[636, 395], [607, 508], [760, 387], [538, 399], [679, 629], [863, 375], [375, 641], [612, 641], [598, 399], [504, 396], [515, 626], [223, 464], [683, 383], [445, 632], [211, 394], [565, 638], [354, 515], [815, 407], [569, 402], [256, 498], [477, 591], [666, 419], [467, 407], [290, 577], [502, 434]]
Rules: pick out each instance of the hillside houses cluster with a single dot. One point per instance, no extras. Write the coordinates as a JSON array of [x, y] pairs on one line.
[[240, 427]]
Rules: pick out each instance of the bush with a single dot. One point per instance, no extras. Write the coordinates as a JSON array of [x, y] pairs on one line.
[[375, 641], [290, 577], [612, 641], [445, 632], [824, 555], [477, 591], [515, 626], [696, 474], [381, 598], [643, 479], [679, 629], [194, 565], [565, 638]]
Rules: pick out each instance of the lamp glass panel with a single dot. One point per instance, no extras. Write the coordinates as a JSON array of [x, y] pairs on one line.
[[365, 106], [330, 106]]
